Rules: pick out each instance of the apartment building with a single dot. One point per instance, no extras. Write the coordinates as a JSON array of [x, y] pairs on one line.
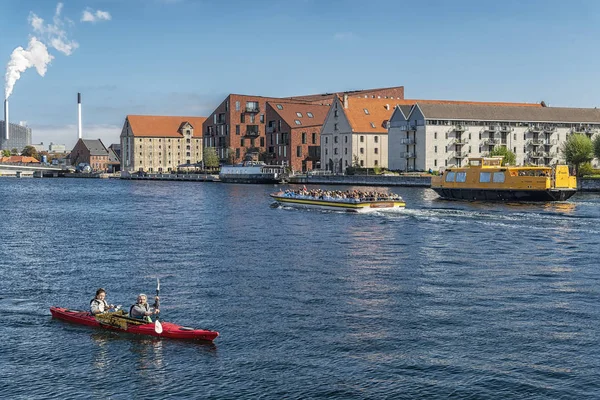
[[434, 136], [237, 127], [293, 134], [154, 143]]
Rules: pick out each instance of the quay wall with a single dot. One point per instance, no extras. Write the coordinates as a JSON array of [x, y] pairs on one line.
[[588, 185]]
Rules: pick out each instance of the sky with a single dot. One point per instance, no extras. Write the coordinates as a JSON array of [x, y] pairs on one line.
[[183, 57]]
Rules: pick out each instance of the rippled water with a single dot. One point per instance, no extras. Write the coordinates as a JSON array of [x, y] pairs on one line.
[[443, 300]]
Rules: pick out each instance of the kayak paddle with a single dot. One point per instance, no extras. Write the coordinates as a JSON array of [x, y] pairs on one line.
[[157, 325]]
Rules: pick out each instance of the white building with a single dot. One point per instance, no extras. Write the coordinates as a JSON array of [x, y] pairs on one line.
[[355, 133], [57, 148], [433, 136]]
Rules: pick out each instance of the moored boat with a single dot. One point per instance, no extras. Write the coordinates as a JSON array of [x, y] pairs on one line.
[[486, 179], [251, 172], [349, 201], [119, 321]]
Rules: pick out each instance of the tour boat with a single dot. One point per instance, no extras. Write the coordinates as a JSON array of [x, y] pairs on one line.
[[486, 179], [119, 321], [251, 172], [357, 205]]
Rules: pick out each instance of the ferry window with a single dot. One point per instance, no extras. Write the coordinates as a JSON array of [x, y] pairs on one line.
[[461, 176], [498, 177], [484, 177], [450, 176]]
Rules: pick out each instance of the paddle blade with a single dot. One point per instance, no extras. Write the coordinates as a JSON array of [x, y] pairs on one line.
[[157, 286], [158, 327]]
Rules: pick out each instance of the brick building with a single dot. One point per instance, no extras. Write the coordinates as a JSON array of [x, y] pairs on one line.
[[91, 152], [237, 127], [293, 134]]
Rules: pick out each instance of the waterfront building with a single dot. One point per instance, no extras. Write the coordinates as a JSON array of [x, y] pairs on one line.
[[154, 143], [237, 127], [293, 134], [19, 136], [116, 148], [91, 152], [57, 148], [434, 136], [39, 147]]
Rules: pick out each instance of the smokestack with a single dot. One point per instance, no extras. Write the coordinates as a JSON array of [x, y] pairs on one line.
[[79, 114], [6, 126]]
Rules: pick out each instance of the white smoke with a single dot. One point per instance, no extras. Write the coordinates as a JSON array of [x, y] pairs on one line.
[[54, 35], [36, 55], [92, 16]]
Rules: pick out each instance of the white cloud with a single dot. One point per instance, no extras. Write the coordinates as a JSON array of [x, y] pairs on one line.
[[67, 134], [92, 16], [54, 35]]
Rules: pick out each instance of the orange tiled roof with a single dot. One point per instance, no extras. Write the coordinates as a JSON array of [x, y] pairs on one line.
[[19, 159], [163, 126], [360, 121], [290, 110]]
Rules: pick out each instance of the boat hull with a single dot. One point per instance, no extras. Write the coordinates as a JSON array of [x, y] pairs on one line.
[[504, 195], [258, 178], [358, 207], [170, 330]]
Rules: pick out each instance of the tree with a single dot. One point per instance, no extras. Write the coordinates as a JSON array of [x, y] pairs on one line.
[[30, 151], [14, 152], [211, 160], [577, 149], [508, 157], [596, 143], [6, 153]]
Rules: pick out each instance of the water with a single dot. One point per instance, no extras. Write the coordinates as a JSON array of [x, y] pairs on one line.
[[443, 300]]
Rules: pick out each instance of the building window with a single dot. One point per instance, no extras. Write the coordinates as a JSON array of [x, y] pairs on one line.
[[375, 162], [326, 152], [362, 139], [299, 151], [435, 149], [309, 115], [242, 118], [279, 107], [314, 138], [362, 163], [376, 139], [297, 121], [366, 111], [376, 150], [372, 125], [326, 139], [237, 106], [362, 150], [262, 118], [345, 139], [335, 113], [335, 139], [335, 127], [299, 114], [335, 151], [242, 142], [435, 163], [346, 151], [435, 135], [237, 129], [303, 137]]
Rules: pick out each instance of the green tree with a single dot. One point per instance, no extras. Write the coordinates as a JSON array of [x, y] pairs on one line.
[[596, 143], [211, 160], [14, 152], [577, 149], [6, 153], [508, 157], [30, 151]]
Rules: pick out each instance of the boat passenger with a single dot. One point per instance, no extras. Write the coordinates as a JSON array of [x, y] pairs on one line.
[[141, 309], [98, 304]]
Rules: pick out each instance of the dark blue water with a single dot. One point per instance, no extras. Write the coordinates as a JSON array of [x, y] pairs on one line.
[[443, 300]]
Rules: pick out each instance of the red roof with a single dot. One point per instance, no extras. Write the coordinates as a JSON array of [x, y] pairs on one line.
[[163, 126]]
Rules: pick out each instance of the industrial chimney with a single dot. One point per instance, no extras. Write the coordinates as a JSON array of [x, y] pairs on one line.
[[6, 126], [79, 114]]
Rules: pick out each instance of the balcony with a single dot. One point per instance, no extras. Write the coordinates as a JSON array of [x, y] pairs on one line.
[[251, 131], [412, 127], [536, 142], [506, 128], [252, 109], [538, 154], [407, 141], [491, 142], [536, 128], [460, 128], [549, 129], [548, 143], [271, 129], [459, 142], [407, 154], [491, 128]]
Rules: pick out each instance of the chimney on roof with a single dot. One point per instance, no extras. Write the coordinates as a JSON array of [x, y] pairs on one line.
[[79, 115], [543, 104], [345, 100]]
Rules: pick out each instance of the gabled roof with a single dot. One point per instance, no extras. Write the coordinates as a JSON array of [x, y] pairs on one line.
[[19, 159], [372, 120], [394, 91], [163, 126], [290, 110], [481, 103], [471, 112], [95, 147]]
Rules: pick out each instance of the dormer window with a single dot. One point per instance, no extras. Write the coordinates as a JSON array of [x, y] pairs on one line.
[[279, 107], [372, 125], [299, 114], [366, 111], [297, 121], [309, 115]]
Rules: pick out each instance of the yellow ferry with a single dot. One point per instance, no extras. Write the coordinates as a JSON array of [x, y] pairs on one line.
[[486, 179]]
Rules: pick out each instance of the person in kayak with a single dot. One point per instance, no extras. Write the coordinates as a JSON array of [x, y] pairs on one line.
[[141, 309], [98, 304]]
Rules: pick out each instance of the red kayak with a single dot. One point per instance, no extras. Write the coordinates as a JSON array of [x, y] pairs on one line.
[[121, 322]]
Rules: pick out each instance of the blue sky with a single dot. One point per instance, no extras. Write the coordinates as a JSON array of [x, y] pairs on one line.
[[182, 57]]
